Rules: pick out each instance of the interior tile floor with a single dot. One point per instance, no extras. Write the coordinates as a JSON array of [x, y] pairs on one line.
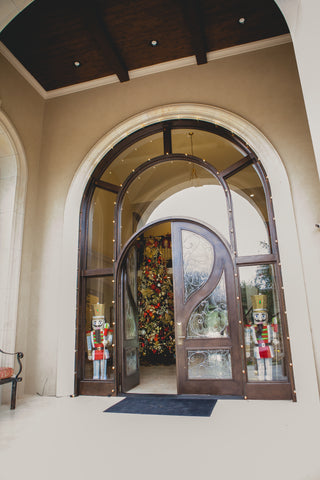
[[157, 379], [48, 438]]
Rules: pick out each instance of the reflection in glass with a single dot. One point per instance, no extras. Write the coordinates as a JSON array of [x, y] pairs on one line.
[[263, 329], [131, 361], [99, 329], [250, 212], [130, 327], [194, 192], [132, 272], [198, 259], [210, 318], [216, 150], [132, 157], [209, 364], [100, 230]]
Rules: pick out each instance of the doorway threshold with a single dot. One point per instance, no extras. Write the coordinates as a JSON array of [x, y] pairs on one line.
[[182, 396]]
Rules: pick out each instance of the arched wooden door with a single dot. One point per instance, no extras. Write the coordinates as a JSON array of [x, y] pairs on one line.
[[207, 326], [208, 353]]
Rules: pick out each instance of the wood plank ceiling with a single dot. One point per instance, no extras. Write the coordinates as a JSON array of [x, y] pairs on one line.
[[114, 36]]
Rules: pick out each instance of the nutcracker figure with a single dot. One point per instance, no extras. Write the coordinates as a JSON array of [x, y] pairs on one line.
[[263, 336], [98, 339]]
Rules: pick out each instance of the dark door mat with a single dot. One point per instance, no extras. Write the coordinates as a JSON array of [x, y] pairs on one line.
[[164, 405]]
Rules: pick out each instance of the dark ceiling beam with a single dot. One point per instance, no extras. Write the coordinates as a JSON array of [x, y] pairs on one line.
[[93, 19], [193, 17]]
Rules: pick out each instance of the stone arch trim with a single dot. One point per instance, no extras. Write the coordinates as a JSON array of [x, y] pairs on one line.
[[282, 202], [15, 176]]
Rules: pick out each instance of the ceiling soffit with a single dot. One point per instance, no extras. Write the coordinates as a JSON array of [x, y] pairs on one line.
[[114, 37]]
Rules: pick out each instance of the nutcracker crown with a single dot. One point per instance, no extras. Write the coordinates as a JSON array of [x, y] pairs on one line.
[[259, 303]]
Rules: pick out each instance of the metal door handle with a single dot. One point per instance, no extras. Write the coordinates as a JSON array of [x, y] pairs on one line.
[[179, 335]]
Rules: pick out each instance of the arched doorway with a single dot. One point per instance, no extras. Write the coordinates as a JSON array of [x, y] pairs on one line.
[[178, 308], [129, 185]]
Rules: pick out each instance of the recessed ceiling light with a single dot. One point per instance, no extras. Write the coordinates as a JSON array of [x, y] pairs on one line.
[[154, 43], [252, 195], [242, 20], [76, 63]]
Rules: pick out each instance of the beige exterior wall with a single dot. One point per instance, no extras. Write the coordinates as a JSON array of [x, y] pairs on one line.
[[22, 109], [262, 87], [302, 19]]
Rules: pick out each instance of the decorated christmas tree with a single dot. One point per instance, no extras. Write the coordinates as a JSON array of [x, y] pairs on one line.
[[155, 302]]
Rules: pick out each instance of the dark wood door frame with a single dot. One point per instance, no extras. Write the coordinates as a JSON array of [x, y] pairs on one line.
[[252, 390]]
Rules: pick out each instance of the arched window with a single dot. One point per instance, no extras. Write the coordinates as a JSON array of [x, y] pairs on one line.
[[199, 180]]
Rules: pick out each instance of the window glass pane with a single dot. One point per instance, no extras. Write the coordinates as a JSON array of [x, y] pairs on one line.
[[132, 157], [209, 364], [210, 318], [101, 229], [263, 329], [216, 150], [198, 259], [176, 189], [99, 357], [250, 212]]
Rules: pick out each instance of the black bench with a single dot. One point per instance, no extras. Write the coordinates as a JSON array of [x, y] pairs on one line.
[[7, 376]]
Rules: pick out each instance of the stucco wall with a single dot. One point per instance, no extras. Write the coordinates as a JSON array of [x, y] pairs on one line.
[[302, 18], [262, 86], [23, 110]]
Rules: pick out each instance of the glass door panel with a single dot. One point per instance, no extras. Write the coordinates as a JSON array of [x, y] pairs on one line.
[[130, 367], [209, 364], [210, 318], [198, 260], [130, 327]]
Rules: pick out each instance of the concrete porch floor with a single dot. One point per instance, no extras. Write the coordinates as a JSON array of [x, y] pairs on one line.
[[57, 438]]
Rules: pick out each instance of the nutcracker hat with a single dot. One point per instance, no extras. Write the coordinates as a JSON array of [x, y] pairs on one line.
[[259, 303], [98, 309]]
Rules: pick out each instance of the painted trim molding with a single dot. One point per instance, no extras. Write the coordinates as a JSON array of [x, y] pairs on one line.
[[283, 207], [141, 72]]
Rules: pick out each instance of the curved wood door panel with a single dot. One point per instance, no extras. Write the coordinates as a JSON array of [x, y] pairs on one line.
[[206, 317]]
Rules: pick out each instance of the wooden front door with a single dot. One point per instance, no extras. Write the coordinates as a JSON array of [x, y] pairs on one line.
[[208, 349], [208, 353], [130, 333]]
